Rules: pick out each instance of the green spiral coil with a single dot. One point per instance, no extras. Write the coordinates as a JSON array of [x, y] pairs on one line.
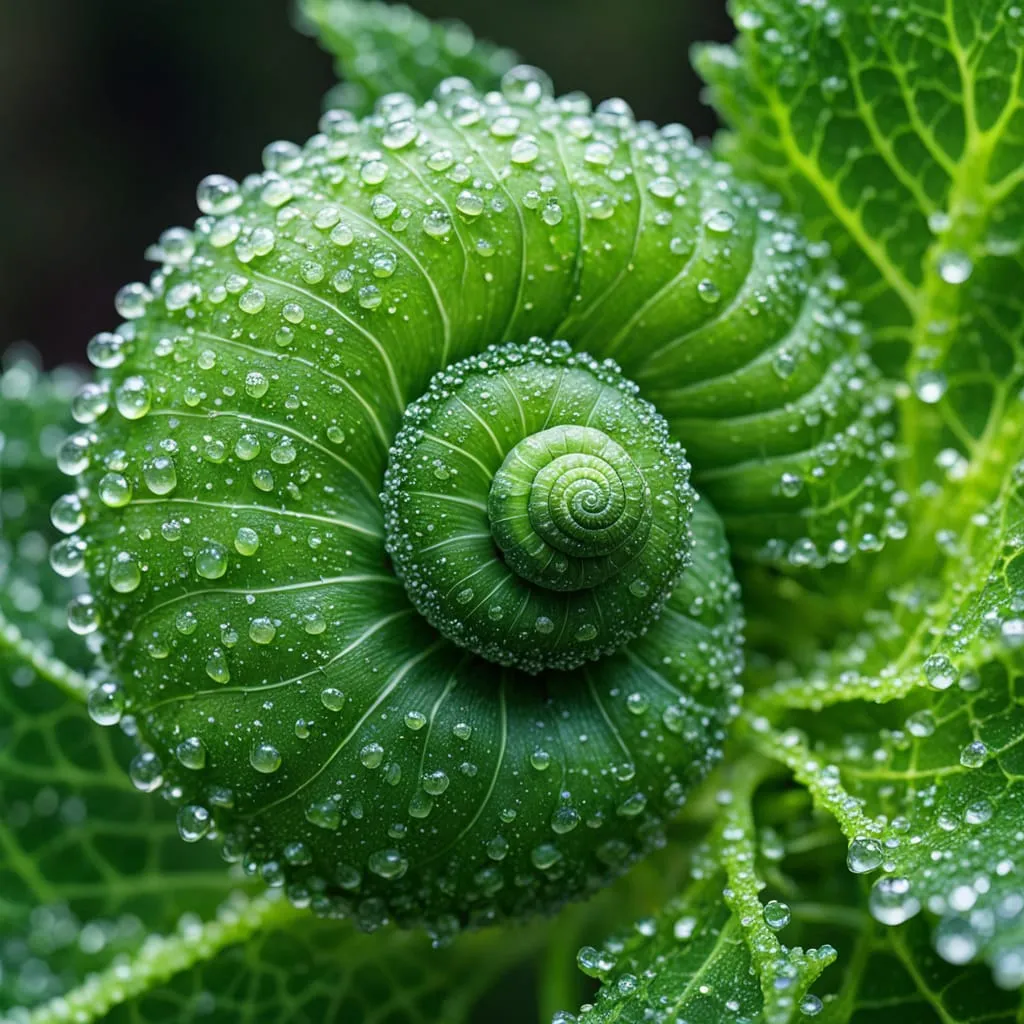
[[558, 542], [422, 617]]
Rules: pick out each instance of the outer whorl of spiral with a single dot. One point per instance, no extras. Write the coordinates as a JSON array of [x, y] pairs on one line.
[[536, 508], [285, 690]]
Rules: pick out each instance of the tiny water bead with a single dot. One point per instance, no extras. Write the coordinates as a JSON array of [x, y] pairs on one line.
[[106, 703], [864, 855], [191, 753], [211, 561], [194, 822], [892, 900], [124, 575], [265, 758]]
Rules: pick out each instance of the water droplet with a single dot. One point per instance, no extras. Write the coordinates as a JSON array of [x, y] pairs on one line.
[[372, 755], [256, 384], [217, 194], [314, 623], [67, 514], [124, 575], [191, 753], [552, 213], [719, 221], [114, 490], [545, 856], [974, 754], [791, 484], [525, 84], [211, 561], [978, 812], [940, 672], [217, 666], [332, 698], [160, 475], [389, 864], [955, 266], [637, 703], [146, 771], [708, 291], [106, 703], [262, 630], [811, 1005], [593, 962], [131, 300], [435, 782], [105, 350], [524, 150], [186, 623], [194, 822], [324, 814], [264, 757], [784, 364], [565, 819], [956, 941], [83, 616], [252, 300], [415, 720], [399, 134], [67, 556], [73, 455], [892, 902], [437, 224], [864, 855], [921, 724], [930, 386], [90, 403]]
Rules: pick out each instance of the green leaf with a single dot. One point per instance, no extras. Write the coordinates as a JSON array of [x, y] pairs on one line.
[[87, 864], [929, 788], [895, 977], [262, 960], [935, 801], [380, 49], [711, 954], [33, 422], [896, 132]]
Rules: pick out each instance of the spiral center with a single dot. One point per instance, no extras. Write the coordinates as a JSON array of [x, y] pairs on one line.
[[569, 508]]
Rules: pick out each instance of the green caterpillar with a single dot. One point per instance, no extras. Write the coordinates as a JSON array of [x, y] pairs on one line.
[[404, 580]]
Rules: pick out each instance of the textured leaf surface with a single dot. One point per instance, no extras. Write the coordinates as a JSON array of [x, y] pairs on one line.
[[87, 864], [383, 48], [895, 976], [712, 954], [896, 132]]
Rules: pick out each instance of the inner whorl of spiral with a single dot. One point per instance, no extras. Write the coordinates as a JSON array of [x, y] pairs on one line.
[[536, 508], [569, 508]]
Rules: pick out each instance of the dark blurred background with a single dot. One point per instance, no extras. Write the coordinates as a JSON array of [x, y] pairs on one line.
[[112, 110]]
